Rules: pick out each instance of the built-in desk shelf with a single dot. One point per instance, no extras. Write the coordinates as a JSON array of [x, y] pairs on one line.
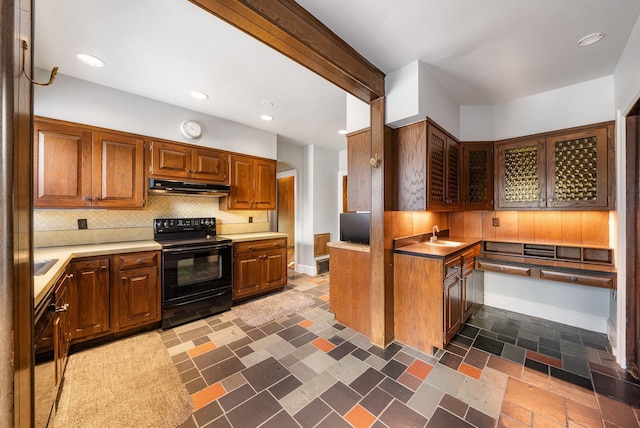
[[560, 252]]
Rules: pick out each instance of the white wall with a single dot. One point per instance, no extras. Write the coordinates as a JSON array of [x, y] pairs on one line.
[[476, 123], [579, 306], [326, 217], [627, 73], [358, 114], [84, 102], [413, 94]]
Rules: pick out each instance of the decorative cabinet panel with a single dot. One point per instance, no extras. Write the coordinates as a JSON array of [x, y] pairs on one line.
[[174, 160], [138, 291], [570, 169], [476, 177], [89, 298], [452, 298], [359, 171], [62, 335], [78, 166], [428, 169], [259, 267], [253, 184]]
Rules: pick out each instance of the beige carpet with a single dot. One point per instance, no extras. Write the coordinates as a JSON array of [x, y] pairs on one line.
[[128, 383], [262, 311]]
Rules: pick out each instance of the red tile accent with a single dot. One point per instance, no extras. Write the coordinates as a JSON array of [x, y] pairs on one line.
[[420, 369], [359, 417], [545, 359], [323, 344], [470, 371], [201, 349], [207, 395], [306, 323]]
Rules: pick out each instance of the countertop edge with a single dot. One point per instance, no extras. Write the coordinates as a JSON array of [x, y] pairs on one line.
[[252, 236], [344, 245]]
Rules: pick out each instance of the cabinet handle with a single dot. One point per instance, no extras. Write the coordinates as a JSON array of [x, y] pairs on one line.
[[96, 198], [139, 261], [501, 269], [63, 308], [251, 248], [70, 276], [103, 268], [541, 199], [550, 199], [86, 198], [123, 279], [574, 279]]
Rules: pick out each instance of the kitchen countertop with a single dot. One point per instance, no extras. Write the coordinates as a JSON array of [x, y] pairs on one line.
[[418, 245], [43, 283], [254, 236]]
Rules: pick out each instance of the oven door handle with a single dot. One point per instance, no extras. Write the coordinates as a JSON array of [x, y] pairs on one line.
[[203, 247], [200, 299]]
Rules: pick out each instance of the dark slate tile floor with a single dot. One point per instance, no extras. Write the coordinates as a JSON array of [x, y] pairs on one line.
[[305, 370]]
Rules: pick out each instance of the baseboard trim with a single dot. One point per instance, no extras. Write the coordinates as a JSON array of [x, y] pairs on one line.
[[307, 270]]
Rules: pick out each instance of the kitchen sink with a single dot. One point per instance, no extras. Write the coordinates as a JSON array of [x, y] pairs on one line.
[[443, 243], [40, 267]]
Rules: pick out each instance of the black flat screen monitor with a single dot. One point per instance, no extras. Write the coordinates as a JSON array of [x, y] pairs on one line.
[[354, 227]]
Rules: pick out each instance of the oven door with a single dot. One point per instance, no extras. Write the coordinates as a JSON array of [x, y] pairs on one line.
[[195, 272]]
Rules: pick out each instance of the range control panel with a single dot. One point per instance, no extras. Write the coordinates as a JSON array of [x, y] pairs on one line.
[[174, 225]]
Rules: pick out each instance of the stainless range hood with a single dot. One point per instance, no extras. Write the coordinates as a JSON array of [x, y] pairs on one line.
[[175, 187]]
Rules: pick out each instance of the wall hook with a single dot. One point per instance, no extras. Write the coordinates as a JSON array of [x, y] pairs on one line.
[[374, 161], [54, 72]]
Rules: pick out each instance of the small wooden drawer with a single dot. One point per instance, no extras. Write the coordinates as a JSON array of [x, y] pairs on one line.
[[452, 267], [578, 278], [494, 267], [137, 260], [262, 245]]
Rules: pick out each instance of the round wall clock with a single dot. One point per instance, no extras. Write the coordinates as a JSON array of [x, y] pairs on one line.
[[190, 129]]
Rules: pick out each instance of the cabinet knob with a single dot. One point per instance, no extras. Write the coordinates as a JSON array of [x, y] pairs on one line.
[[139, 261], [574, 279], [63, 308], [103, 268], [550, 199], [123, 279], [86, 198], [96, 198], [541, 199], [501, 269]]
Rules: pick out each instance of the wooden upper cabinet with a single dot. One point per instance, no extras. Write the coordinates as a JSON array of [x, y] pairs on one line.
[[428, 168], [568, 169], [118, 171], [521, 174], [175, 160], [359, 171], [578, 169], [476, 176], [253, 184], [80, 166], [62, 165]]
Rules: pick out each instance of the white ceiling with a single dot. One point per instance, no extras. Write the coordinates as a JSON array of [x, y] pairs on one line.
[[483, 53]]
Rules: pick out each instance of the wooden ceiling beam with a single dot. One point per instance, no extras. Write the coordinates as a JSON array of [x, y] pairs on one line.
[[293, 31]]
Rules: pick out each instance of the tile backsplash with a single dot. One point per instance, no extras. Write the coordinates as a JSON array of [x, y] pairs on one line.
[[60, 227]]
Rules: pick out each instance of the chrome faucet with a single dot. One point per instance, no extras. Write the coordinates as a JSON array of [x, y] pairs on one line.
[[434, 237]]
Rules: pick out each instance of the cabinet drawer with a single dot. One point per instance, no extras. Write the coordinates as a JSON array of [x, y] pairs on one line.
[[494, 267], [267, 244], [452, 267], [592, 280], [136, 260]]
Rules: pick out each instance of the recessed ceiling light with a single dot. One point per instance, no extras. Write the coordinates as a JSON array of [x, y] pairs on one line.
[[90, 60], [199, 95], [342, 132], [267, 103], [266, 117], [590, 39]]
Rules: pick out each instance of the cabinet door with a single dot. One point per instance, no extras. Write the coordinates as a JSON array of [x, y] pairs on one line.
[[118, 171], [359, 171], [241, 181], [476, 179], [170, 160], [89, 298], [265, 184], [62, 336], [437, 164], [247, 274], [411, 155], [210, 165], [274, 264], [137, 296], [578, 170], [452, 180], [452, 306], [521, 178], [62, 165]]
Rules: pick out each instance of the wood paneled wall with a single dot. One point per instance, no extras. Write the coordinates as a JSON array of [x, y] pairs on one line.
[[566, 227], [405, 223]]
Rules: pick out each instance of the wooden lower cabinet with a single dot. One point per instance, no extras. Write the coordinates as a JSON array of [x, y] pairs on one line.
[[89, 298], [113, 294], [349, 283], [259, 267], [433, 298], [136, 288]]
